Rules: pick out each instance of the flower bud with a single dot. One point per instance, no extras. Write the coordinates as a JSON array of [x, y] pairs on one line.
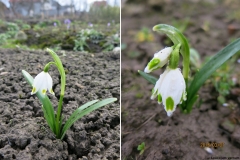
[[159, 60]]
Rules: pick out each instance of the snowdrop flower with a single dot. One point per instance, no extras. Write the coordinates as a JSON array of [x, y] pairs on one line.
[[160, 59], [42, 82], [170, 89]]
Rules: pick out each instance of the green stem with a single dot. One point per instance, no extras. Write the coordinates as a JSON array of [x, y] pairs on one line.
[[47, 66], [174, 59], [63, 83], [177, 37], [59, 111], [59, 115]]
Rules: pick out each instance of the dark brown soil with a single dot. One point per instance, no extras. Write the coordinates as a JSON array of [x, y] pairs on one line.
[[143, 120], [24, 134]]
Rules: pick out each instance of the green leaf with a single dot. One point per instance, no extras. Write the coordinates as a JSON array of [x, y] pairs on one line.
[[141, 148], [190, 104], [58, 122], [211, 66], [148, 77], [77, 111], [47, 105], [83, 110]]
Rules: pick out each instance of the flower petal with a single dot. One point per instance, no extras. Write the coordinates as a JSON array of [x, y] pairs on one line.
[[49, 84], [172, 90], [157, 87], [44, 84], [170, 106], [37, 82], [159, 98]]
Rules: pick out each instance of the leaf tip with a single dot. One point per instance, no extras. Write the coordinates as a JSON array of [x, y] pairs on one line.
[[24, 72]]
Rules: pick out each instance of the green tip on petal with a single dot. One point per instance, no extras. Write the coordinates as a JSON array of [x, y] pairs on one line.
[[159, 98], [34, 90], [51, 91], [44, 91], [153, 63], [153, 90], [169, 104]]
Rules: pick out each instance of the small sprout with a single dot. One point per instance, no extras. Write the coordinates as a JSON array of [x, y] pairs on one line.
[[139, 95], [141, 148]]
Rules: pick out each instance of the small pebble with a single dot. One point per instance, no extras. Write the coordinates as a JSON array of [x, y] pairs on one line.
[[225, 104], [238, 60], [209, 150]]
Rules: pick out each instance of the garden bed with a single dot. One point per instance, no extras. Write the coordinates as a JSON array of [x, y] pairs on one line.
[[24, 133]]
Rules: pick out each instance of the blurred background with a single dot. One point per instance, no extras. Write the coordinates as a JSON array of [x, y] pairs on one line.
[[85, 25], [209, 25], [30, 8]]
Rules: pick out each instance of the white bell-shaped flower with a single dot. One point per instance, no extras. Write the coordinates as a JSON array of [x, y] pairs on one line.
[[42, 82], [171, 89], [159, 60]]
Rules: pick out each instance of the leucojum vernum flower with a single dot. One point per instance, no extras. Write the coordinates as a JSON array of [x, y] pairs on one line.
[[43, 83], [172, 87]]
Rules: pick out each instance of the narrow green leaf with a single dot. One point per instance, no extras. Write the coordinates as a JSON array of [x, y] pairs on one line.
[[83, 110], [148, 77], [77, 111], [48, 118], [191, 103], [47, 105], [57, 60], [211, 66]]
